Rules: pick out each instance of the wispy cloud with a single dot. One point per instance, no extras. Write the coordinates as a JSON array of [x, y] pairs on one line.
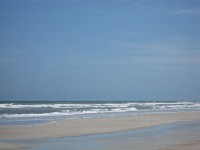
[[170, 52], [194, 11], [143, 8]]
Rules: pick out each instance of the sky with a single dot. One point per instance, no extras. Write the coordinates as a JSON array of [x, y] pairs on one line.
[[100, 50]]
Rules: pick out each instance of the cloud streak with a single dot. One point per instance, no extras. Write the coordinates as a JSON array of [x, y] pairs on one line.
[[143, 8], [186, 11], [179, 52]]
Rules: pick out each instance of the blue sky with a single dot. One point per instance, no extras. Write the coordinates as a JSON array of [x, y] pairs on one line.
[[100, 50]]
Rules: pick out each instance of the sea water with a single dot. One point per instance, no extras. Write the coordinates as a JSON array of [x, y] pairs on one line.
[[35, 112]]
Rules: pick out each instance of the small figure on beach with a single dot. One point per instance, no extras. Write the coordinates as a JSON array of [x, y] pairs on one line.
[[54, 122]]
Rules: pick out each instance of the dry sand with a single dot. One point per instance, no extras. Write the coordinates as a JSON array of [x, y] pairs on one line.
[[92, 126]]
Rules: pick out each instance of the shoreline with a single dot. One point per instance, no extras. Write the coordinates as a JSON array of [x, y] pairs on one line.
[[88, 126]]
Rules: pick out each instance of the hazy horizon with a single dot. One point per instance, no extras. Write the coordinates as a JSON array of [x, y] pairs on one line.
[[100, 50]]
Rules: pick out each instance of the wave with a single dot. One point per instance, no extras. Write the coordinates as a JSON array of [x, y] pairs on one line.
[[12, 105], [105, 105], [21, 110], [68, 113]]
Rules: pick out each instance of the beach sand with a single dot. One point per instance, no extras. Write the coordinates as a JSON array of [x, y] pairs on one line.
[[186, 146], [12, 146], [79, 127]]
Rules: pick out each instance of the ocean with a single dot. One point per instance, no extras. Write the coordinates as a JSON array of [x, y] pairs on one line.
[[38, 112]]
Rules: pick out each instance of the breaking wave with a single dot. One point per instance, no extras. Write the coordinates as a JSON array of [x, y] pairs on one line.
[[45, 109]]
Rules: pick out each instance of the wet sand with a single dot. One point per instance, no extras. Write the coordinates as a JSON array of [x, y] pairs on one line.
[[186, 146], [79, 127], [12, 146]]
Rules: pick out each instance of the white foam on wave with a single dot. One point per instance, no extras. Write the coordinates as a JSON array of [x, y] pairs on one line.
[[105, 105], [68, 113], [111, 105], [67, 109], [164, 105], [32, 115]]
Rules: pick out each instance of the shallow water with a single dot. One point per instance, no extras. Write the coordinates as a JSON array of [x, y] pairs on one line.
[[152, 138]]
